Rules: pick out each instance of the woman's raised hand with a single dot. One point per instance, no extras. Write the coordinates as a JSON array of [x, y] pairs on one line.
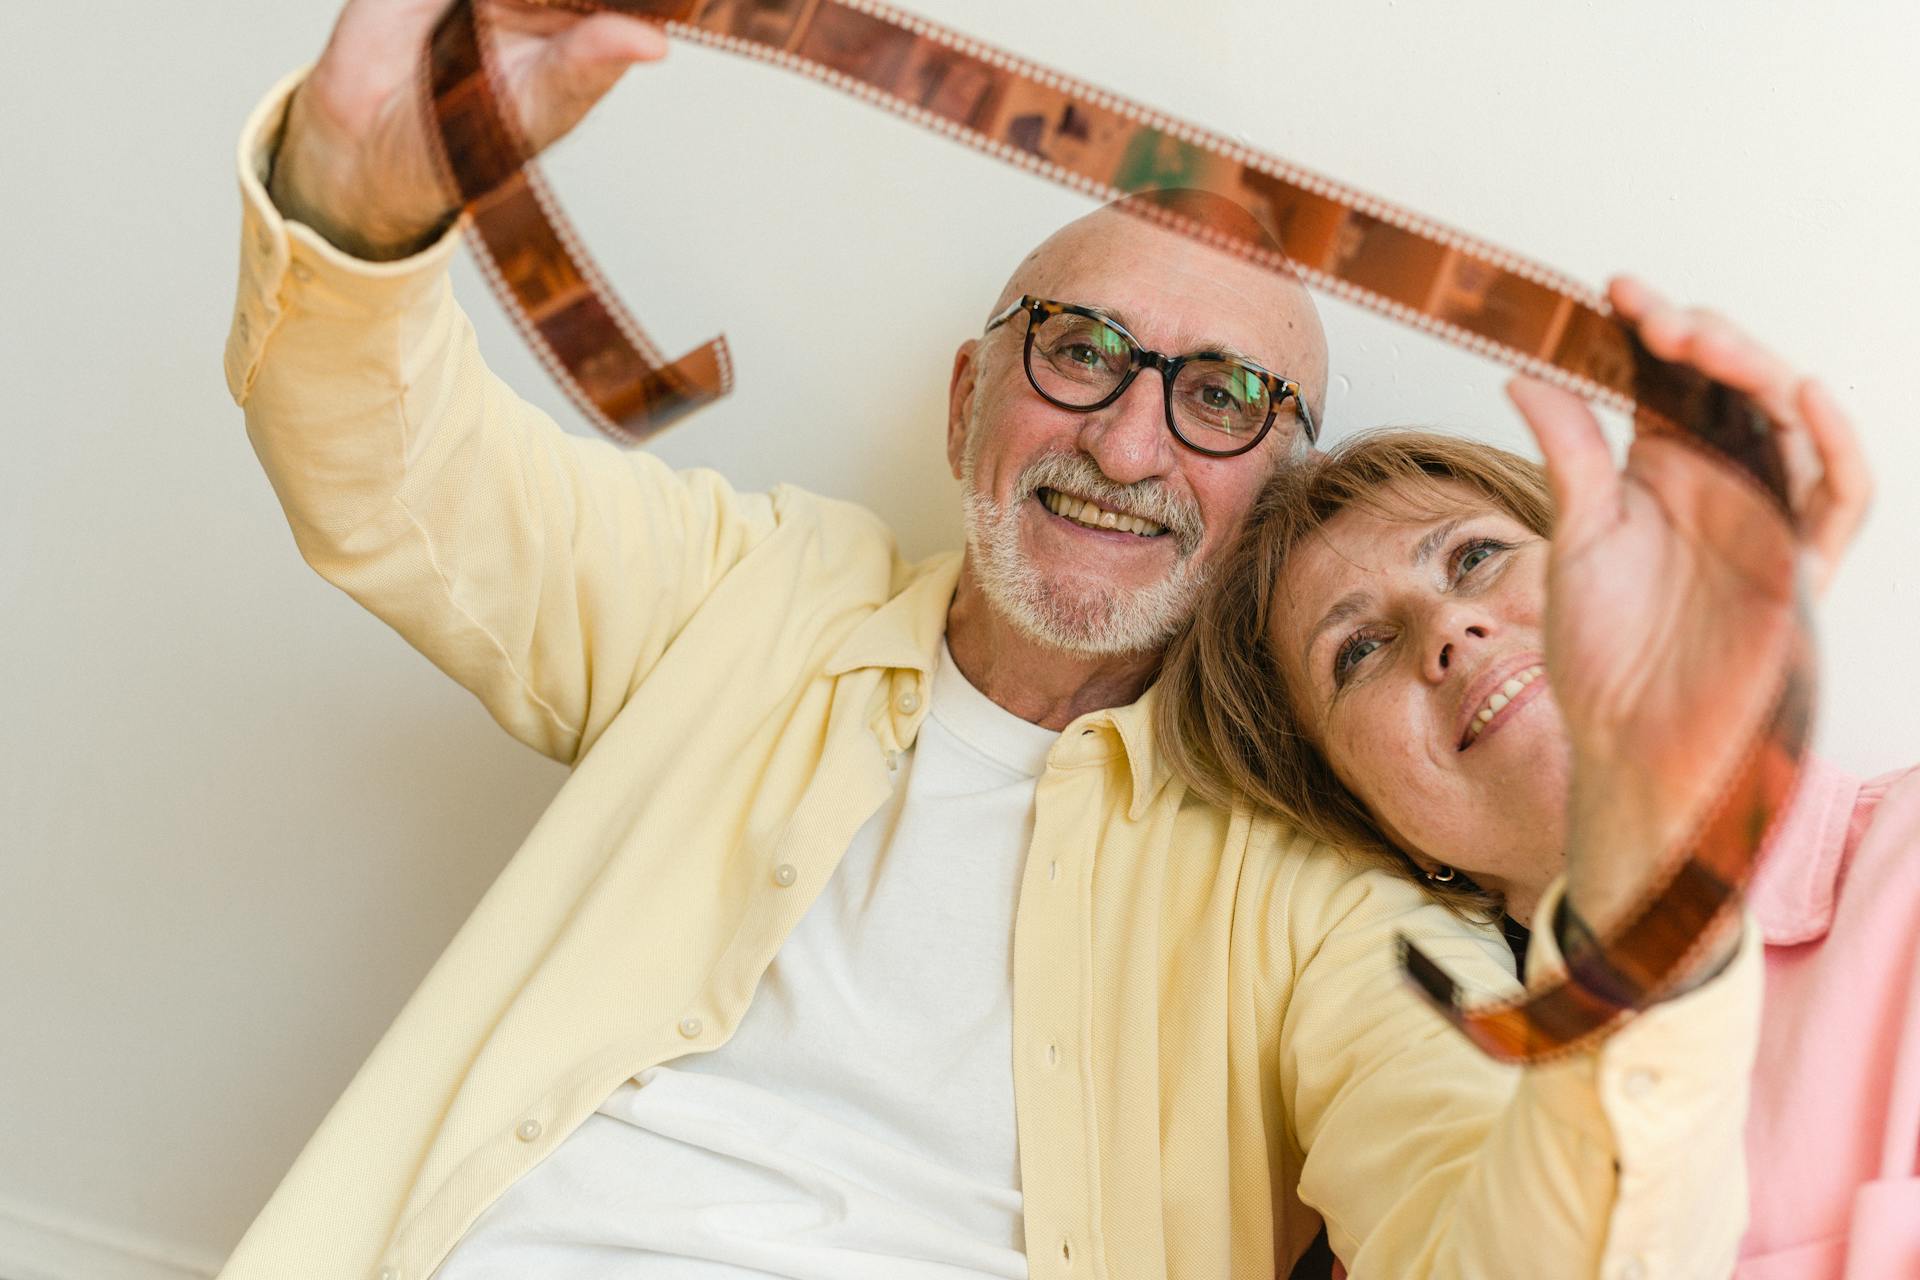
[[356, 162], [1672, 595], [1826, 471]]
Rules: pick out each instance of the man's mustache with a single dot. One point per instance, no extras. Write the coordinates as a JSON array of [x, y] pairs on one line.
[[1155, 500]]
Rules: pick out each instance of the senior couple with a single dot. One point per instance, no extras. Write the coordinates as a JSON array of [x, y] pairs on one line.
[[935, 920]]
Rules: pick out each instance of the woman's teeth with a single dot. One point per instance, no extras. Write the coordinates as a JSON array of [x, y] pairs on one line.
[[1095, 516], [1501, 697]]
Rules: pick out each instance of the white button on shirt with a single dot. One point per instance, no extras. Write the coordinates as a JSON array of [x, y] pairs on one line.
[[860, 1121]]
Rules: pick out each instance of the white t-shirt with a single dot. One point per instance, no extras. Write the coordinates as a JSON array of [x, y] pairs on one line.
[[860, 1121]]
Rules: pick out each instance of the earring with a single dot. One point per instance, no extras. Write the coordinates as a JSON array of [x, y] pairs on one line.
[[1442, 874]]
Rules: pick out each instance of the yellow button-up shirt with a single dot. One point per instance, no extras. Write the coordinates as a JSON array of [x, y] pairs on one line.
[[1210, 1034]]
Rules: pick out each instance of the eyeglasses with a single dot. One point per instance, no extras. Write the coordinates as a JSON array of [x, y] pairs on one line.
[[1216, 404]]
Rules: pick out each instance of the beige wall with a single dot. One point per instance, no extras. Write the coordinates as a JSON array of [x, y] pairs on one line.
[[238, 819]]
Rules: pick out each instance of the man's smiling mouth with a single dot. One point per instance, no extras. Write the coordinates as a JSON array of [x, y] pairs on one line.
[[1086, 512]]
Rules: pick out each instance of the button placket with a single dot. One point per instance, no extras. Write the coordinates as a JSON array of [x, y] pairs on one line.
[[1049, 1089]]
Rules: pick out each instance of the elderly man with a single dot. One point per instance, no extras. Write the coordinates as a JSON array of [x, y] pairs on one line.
[[870, 935]]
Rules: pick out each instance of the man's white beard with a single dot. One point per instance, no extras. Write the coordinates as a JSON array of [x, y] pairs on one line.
[[1079, 614]]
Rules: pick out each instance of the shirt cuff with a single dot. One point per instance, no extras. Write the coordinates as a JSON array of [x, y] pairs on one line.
[[286, 264], [1672, 1085]]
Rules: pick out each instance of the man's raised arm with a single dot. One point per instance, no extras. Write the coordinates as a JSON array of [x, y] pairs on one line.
[[543, 571]]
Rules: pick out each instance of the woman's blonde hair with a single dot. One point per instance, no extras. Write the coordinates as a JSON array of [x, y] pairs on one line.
[[1225, 715]]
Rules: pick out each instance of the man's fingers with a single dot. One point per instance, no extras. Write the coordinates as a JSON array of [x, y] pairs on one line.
[[614, 38], [573, 69], [1580, 468]]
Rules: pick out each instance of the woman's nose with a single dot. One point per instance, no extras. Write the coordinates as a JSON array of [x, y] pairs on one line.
[[1455, 640]]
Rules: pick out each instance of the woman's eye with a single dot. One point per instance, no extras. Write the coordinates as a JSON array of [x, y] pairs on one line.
[[1349, 655], [1474, 554]]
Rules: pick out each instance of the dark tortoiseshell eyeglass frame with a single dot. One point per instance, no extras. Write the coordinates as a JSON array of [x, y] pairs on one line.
[[1037, 310]]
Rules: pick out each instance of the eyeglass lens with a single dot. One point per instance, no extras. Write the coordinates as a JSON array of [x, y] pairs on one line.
[[1218, 404]]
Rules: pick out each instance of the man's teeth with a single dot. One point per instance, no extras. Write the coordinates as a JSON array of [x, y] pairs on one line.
[[1501, 697], [1095, 516]]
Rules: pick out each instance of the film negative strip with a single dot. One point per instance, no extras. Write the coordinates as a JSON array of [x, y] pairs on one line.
[[1344, 242]]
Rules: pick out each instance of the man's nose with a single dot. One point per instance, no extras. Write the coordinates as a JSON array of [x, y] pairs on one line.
[[1129, 438]]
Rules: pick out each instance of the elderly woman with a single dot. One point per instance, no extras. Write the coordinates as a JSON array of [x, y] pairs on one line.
[[1382, 662]]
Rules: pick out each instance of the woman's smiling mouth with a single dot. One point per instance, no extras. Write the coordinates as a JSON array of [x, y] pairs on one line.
[[1507, 698]]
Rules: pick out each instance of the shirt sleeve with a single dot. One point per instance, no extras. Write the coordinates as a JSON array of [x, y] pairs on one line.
[[544, 571], [1428, 1159]]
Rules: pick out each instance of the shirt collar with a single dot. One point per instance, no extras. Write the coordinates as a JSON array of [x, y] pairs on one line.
[[1797, 881], [1146, 763], [905, 634]]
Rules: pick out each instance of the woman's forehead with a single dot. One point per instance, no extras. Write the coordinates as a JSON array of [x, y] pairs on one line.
[[1400, 514], [1400, 524]]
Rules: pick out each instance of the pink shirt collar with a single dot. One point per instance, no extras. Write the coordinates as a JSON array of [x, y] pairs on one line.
[[1798, 880]]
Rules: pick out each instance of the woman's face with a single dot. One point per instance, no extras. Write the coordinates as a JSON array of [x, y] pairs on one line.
[[1413, 650]]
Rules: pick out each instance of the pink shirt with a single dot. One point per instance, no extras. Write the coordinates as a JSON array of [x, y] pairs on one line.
[[1833, 1140]]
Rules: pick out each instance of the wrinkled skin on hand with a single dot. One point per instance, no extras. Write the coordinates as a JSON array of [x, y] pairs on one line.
[[357, 163]]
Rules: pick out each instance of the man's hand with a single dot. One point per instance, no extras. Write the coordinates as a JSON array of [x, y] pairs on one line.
[[1671, 598], [357, 164]]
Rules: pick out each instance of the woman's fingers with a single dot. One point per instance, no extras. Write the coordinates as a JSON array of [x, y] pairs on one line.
[[1705, 340], [1827, 479], [1834, 506], [1580, 468], [1632, 298]]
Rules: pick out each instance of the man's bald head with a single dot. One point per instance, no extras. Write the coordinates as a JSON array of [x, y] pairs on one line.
[[1159, 228]]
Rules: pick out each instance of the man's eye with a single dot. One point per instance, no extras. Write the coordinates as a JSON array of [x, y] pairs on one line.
[[1081, 353], [1349, 655]]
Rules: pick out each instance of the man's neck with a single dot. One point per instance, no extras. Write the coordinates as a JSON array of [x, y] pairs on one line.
[[1047, 686]]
